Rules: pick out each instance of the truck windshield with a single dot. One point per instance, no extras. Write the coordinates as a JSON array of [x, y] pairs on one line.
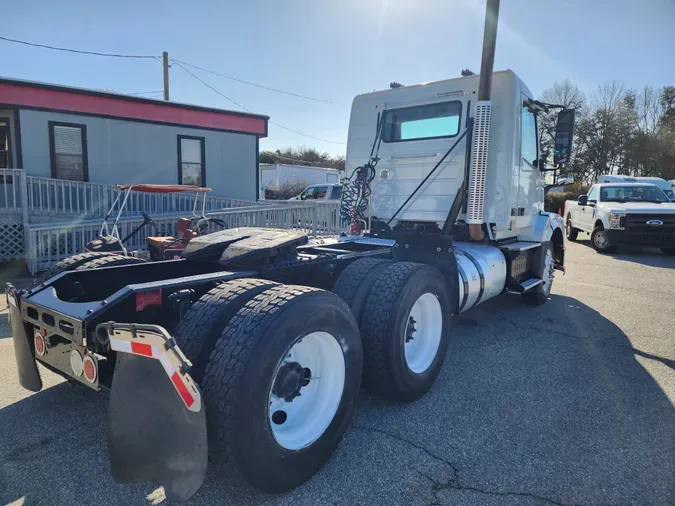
[[632, 194]]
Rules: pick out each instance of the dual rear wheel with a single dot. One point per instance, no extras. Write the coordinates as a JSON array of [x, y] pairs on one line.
[[280, 366]]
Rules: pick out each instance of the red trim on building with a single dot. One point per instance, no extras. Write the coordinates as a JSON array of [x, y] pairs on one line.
[[82, 101]]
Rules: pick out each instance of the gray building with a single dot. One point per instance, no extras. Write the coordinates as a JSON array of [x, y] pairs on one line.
[[83, 135]]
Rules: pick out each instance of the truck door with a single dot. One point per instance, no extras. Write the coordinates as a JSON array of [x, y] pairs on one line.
[[587, 212], [529, 173]]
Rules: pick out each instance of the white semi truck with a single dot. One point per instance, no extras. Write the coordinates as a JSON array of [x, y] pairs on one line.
[[264, 338]]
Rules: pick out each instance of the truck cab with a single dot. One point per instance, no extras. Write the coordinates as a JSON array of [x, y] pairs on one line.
[[421, 122]]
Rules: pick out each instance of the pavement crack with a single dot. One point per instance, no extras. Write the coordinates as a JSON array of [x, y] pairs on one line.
[[457, 486], [419, 447], [454, 482]]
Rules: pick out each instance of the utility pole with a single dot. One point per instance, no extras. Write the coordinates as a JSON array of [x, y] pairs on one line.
[[165, 66]]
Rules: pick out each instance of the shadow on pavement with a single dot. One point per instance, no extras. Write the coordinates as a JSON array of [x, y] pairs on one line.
[[645, 256], [539, 405]]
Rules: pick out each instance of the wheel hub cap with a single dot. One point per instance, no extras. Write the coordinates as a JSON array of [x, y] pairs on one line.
[[290, 380]]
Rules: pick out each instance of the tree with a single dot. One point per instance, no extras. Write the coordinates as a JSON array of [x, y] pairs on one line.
[[303, 156], [562, 93]]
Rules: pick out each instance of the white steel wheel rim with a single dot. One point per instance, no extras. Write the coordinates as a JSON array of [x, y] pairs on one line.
[[600, 239], [549, 270], [423, 333], [306, 417]]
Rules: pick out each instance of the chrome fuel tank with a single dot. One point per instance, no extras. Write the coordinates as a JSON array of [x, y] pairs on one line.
[[481, 272]]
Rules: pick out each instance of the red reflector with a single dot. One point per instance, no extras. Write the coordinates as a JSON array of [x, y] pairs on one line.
[[89, 369], [43, 331], [141, 349], [145, 299], [182, 389], [39, 345]]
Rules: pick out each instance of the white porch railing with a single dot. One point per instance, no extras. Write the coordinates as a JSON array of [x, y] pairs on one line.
[[51, 242], [48, 196]]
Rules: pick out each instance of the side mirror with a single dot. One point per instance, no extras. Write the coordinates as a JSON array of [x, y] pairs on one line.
[[564, 134], [583, 200]]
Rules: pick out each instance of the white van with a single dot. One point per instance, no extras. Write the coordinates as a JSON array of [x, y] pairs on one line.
[[660, 183]]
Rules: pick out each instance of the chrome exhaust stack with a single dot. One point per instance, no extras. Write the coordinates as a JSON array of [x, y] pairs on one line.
[[481, 127]]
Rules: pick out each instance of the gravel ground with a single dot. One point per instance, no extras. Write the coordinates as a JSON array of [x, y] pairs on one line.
[[568, 403]]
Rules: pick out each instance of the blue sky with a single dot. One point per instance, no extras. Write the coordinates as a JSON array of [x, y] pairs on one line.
[[334, 49]]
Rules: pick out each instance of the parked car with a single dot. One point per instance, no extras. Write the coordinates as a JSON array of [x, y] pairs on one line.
[[618, 214], [321, 192]]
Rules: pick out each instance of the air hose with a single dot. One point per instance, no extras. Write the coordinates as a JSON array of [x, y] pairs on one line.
[[356, 188]]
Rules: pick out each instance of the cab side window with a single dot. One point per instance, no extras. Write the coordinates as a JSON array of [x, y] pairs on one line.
[[528, 137], [320, 192], [593, 194]]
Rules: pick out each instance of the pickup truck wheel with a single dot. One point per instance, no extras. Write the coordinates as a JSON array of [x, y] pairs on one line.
[[600, 241], [540, 293], [203, 323], [281, 383], [570, 232], [70, 264], [354, 283], [668, 251], [405, 329]]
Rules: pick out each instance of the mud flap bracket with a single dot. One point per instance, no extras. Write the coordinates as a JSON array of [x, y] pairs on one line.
[[157, 421]]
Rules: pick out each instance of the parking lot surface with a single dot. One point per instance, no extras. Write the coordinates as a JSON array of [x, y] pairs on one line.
[[568, 403]]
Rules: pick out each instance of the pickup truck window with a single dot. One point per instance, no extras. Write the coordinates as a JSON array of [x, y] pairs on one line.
[[632, 194], [320, 192], [593, 194]]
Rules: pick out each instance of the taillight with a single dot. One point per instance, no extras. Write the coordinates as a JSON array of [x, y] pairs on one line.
[[146, 299], [89, 369], [40, 345]]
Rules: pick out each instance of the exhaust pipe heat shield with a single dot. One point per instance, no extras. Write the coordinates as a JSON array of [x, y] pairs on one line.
[[152, 434]]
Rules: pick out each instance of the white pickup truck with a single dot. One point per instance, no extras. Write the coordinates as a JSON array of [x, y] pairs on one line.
[[617, 214]]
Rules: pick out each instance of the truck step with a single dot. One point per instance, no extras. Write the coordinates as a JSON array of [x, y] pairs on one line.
[[519, 246], [528, 284]]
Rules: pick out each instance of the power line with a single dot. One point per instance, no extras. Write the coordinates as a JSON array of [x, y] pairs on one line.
[[212, 88], [68, 50], [253, 84], [248, 110]]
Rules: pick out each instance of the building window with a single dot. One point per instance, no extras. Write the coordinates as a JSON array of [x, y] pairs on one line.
[[432, 121], [5, 145], [191, 156], [68, 145]]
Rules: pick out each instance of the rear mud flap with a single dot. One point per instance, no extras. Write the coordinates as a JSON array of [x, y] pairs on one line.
[[29, 376], [152, 433]]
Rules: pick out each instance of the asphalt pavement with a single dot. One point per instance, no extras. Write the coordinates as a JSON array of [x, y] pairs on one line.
[[568, 403]]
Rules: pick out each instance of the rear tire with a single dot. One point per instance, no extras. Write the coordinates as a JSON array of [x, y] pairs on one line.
[[355, 282], [243, 373], [390, 324], [110, 261], [207, 318], [70, 264], [668, 251], [600, 241], [570, 232]]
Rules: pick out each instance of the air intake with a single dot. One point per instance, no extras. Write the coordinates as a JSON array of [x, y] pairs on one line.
[[479, 158]]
